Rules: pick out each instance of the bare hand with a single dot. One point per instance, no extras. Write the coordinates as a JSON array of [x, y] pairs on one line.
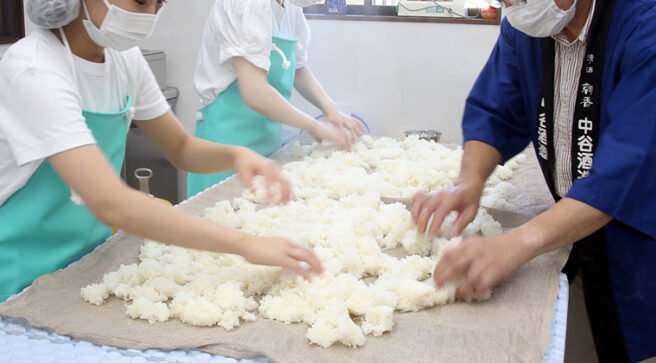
[[343, 121], [274, 251], [482, 262], [249, 164], [464, 199], [326, 131]]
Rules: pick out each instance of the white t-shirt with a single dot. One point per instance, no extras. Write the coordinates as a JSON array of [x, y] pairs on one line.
[[244, 28], [41, 106]]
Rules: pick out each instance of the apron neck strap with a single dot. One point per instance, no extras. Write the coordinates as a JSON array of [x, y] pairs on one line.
[[69, 53], [115, 60], [285, 62]]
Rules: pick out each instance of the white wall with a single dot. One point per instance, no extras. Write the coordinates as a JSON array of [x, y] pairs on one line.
[[178, 34], [396, 76], [400, 76]]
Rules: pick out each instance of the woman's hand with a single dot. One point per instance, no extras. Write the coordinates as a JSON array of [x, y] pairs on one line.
[[249, 164], [274, 251], [341, 120], [326, 131], [464, 199]]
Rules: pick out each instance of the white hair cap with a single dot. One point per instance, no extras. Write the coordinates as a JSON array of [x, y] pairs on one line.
[[53, 14]]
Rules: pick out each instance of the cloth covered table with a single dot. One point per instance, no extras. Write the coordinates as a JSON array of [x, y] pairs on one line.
[[514, 325]]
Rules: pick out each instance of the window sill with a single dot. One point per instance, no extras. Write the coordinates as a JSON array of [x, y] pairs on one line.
[[403, 19]]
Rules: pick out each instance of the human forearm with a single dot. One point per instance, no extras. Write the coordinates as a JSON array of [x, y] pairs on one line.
[[566, 222], [204, 157], [200, 156], [115, 204], [267, 101], [260, 96], [186, 152], [308, 86], [484, 262], [478, 162], [87, 171], [141, 215]]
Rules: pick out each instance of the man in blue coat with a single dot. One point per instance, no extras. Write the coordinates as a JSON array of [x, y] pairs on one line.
[[578, 79]]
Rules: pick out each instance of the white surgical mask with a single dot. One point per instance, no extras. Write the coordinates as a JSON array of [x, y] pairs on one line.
[[303, 3], [540, 18], [121, 29]]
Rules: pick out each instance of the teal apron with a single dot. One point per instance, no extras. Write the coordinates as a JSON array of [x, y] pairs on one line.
[[227, 120], [41, 229]]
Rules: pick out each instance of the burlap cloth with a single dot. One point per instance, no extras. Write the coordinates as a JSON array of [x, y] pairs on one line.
[[513, 326]]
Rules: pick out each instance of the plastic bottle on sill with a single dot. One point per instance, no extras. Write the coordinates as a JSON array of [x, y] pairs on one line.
[[336, 6]]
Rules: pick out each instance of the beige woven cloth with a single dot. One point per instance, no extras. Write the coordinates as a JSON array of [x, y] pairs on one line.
[[513, 326]]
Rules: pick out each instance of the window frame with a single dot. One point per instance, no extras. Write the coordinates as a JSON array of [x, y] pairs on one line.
[[367, 9], [12, 22], [370, 12]]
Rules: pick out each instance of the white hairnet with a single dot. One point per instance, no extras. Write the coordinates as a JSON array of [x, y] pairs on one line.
[[52, 14]]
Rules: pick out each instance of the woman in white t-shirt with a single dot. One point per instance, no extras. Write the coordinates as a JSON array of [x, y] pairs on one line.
[[253, 53], [67, 96]]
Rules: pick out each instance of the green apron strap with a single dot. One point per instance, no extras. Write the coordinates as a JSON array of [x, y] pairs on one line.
[[227, 120]]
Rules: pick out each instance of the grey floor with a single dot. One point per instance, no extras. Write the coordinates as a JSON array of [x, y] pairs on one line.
[[579, 346]]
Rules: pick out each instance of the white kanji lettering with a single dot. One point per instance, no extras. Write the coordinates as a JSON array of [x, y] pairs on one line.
[[583, 173], [589, 58], [585, 143], [587, 102], [585, 160], [585, 125], [542, 136], [542, 150], [543, 120], [589, 70], [587, 89]]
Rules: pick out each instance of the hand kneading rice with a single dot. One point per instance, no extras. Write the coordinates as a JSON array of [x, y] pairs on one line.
[[338, 213]]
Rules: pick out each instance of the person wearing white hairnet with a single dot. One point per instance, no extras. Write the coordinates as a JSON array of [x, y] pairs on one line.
[[253, 54], [68, 93], [577, 78]]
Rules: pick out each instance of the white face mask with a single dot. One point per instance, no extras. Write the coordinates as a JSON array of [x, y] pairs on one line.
[[121, 29], [303, 3], [540, 18]]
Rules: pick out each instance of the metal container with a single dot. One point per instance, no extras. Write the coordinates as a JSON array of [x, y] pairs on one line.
[[157, 61], [430, 135], [141, 152]]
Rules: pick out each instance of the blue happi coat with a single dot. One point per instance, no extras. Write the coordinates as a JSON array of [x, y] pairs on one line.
[[502, 111]]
